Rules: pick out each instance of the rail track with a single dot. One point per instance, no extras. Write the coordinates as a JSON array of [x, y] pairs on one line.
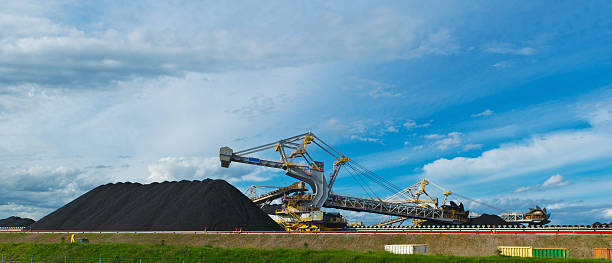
[[437, 229]]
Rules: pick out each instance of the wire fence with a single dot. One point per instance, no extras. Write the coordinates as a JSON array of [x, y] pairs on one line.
[[99, 259]]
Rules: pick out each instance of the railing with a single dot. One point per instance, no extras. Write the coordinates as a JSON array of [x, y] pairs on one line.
[[523, 218], [12, 228]]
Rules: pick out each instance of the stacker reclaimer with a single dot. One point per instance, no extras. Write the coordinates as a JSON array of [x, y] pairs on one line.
[[301, 211]]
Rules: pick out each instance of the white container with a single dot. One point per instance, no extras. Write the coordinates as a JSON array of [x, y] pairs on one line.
[[407, 249]]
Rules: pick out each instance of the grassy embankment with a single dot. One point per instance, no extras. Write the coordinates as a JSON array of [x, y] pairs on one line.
[[580, 246], [165, 253]]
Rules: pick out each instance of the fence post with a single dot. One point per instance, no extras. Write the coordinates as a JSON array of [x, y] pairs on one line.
[[32, 259], [64, 259], [100, 260]]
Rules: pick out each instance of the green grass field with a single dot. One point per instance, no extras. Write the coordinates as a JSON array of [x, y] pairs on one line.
[[27, 252], [579, 246]]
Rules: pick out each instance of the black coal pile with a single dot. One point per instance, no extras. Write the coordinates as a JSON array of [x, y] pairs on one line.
[[270, 209], [185, 205], [486, 219], [15, 221]]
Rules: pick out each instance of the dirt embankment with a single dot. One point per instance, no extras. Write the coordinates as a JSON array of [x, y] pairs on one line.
[[580, 246]]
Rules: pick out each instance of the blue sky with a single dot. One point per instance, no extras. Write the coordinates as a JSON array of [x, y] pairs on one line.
[[507, 103]]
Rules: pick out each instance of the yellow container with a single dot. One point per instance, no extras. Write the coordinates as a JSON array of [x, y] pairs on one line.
[[525, 252]]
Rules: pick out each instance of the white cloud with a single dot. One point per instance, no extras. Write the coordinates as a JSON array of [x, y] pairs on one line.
[[538, 153], [607, 213], [33, 191], [365, 130], [470, 146], [366, 139], [32, 212], [502, 64], [554, 181], [601, 116], [523, 189], [411, 124], [506, 48], [433, 136], [563, 205], [444, 142], [377, 92], [487, 112], [392, 129], [44, 51], [180, 168]]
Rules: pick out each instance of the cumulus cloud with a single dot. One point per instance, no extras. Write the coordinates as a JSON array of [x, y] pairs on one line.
[[487, 112], [444, 142], [411, 124], [33, 212], [56, 144], [607, 213], [180, 168], [36, 190], [37, 49], [554, 181], [536, 154], [563, 205]]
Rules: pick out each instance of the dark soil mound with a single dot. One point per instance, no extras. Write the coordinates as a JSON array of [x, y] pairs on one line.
[[184, 205], [15, 221]]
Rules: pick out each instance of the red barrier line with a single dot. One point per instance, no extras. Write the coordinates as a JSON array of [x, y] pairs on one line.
[[330, 232]]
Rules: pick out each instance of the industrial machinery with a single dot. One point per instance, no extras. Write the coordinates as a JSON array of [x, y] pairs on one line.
[[294, 214], [301, 211], [535, 216], [414, 194]]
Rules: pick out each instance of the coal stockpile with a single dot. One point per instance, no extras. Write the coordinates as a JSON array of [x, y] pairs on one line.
[[458, 210], [15, 221], [270, 209], [185, 205], [486, 219]]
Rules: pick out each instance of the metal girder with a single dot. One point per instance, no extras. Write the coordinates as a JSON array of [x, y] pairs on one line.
[[385, 208]]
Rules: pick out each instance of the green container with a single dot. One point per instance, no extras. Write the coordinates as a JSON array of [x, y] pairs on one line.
[[550, 252]]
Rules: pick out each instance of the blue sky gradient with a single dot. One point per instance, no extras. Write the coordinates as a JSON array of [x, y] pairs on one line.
[[508, 103]]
